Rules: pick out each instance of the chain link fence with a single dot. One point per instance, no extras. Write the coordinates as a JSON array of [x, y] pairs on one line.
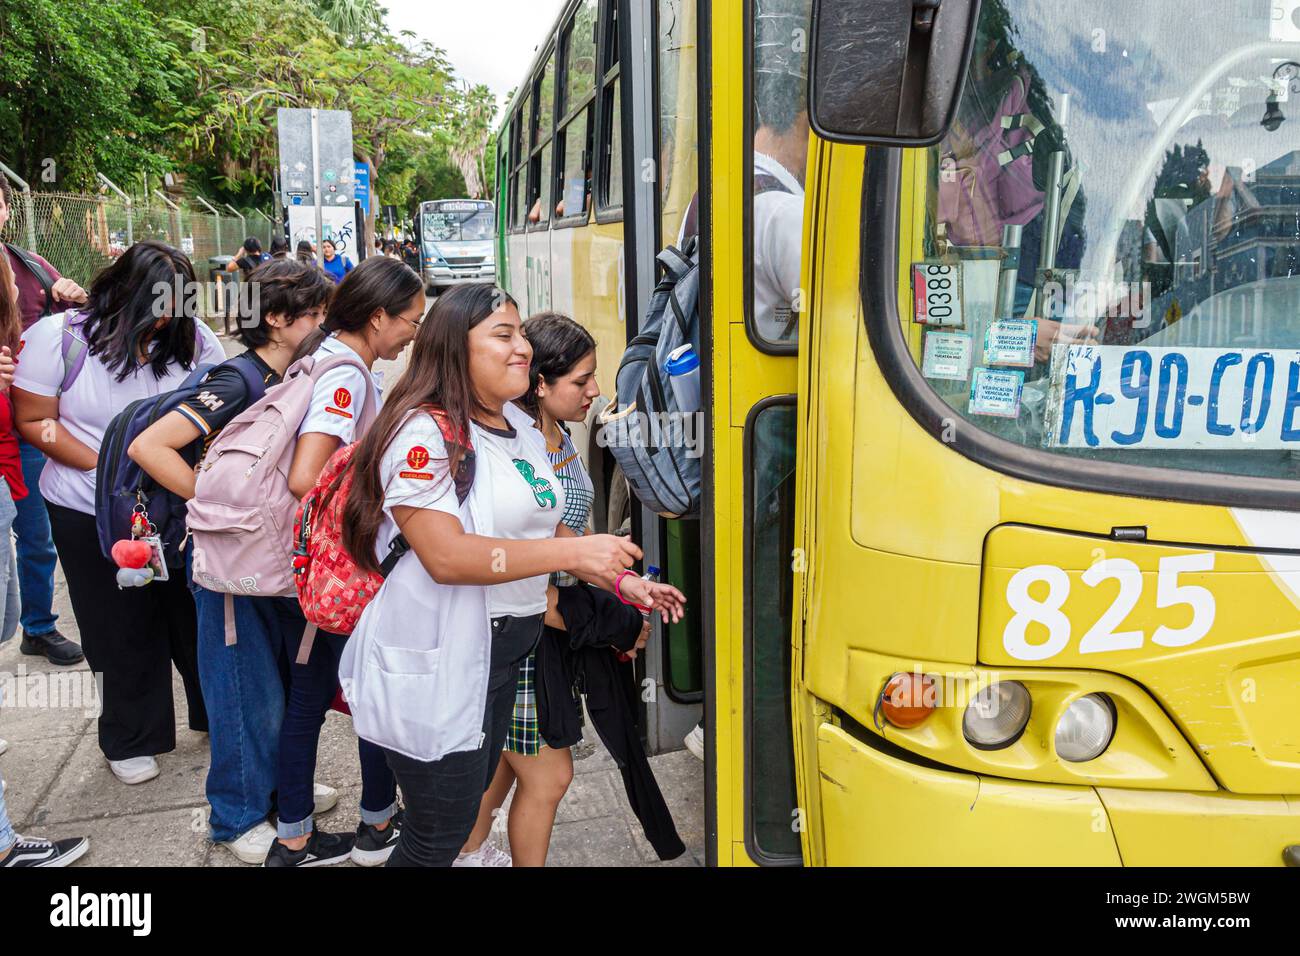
[[80, 234]]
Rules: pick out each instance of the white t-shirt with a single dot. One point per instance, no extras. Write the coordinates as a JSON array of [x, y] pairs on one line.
[[337, 399], [91, 401], [527, 503], [778, 244]]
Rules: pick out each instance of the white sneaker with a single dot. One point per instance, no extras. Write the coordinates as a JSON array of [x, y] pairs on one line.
[[253, 845], [134, 770], [324, 798], [695, 741], [485, 855]]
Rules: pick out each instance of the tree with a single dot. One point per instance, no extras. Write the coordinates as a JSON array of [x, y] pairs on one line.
[[471, 130], [86, 88], [351, 20]]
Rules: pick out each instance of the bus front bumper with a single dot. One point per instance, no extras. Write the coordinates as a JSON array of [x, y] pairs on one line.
[[437, 278], [878, 809]]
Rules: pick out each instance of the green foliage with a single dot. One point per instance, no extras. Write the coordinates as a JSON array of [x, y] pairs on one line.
[[85, 87], [192, 87]]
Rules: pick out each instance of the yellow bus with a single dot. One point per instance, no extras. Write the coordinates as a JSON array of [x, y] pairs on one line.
[[999, 558]]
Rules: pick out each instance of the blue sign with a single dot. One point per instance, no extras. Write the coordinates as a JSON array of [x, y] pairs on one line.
[[361, 187]]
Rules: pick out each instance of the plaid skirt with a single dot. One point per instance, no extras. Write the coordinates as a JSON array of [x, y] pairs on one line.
[[524, 736]]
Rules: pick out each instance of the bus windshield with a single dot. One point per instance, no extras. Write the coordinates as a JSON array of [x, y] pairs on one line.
[[458, 222], [1111, 262]]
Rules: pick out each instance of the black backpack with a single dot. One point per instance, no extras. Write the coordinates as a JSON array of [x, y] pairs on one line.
[[40, 272]]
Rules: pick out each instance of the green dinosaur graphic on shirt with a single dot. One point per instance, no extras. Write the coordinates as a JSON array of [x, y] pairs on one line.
[[542, 489]]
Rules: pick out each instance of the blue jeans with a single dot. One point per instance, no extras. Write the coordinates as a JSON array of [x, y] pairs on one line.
[[244, 690], [36, 555], [8, 623], [311, 689]]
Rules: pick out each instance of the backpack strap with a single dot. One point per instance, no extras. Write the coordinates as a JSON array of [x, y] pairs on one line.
[[305, 645], [228, 619], [252, 377], [38, 270], [74, 348], [767, 183]]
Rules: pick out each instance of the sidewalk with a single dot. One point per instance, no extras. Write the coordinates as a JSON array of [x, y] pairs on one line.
[[59, 783]]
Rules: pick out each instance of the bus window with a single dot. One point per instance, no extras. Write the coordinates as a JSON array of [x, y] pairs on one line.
[[1111, 267], [573, 149], [610, 141], [580, 56], [541, 175], [576, 184], [677, 174], [771, 804], [779, 119]]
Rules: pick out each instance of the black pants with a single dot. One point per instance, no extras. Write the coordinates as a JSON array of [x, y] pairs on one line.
[[442, 797], [130, 636]]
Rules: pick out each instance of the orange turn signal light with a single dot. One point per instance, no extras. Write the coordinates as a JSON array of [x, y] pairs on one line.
[[907, 699]]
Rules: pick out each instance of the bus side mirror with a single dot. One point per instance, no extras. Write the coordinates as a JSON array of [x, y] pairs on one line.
[[888, 72]]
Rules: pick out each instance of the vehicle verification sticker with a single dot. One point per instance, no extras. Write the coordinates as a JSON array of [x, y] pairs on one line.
[[947, 355], [1010, 342], [996, 391], [936, 289]]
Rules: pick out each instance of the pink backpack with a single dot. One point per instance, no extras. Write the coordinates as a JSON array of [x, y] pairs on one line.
[[241, 516]]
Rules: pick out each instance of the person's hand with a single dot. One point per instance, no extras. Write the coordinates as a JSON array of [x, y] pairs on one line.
[[8, 365], [641, 641], [603, 555], [65, 290], [1051, 332], [666, 599]]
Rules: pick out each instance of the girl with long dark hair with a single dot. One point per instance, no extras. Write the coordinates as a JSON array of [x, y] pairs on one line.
[[242, 683], [561, 387], [141, 336], [431, 669], [373, 315]]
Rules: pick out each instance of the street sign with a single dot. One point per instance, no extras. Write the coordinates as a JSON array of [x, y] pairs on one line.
[[362, 187]]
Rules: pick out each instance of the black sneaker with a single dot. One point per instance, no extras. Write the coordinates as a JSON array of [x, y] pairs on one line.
[[36, 852], [54, 647], [322, 849], [373, 847]]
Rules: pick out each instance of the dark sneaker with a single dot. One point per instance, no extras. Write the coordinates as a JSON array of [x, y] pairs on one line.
[[29, 851], [322, 849], [54, 647], [373, 847]]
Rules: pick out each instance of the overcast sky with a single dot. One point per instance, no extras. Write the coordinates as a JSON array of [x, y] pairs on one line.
[[487, 41]]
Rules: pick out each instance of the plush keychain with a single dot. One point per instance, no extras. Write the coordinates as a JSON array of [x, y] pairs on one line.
[[132, 559], [132, 554]]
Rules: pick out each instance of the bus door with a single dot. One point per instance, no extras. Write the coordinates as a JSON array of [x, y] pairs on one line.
[[754, 232]]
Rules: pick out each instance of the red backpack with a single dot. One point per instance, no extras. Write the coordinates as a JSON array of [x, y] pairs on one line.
[[332, 590]]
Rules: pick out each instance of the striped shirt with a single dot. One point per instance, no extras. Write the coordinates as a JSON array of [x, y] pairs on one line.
[[579, 493]]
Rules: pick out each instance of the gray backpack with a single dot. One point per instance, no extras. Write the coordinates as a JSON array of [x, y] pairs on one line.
[[659, 447]]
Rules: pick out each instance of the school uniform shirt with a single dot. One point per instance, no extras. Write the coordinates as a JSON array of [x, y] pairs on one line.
[[415, 669], [91, 401], [11, 464], [337, 267], [339, 394], [528, 502], [223, 396], [579, 493], [31, 294]]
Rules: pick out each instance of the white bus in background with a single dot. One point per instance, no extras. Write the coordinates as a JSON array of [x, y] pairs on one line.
[[457, 243]]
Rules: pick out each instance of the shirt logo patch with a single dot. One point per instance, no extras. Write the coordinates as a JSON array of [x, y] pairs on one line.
[[417, 475], [542, 490], [342, 397], [417, 457], [209, 401]]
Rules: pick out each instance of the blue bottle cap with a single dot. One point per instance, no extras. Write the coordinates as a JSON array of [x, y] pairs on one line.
[[652, 570], [682, 361]]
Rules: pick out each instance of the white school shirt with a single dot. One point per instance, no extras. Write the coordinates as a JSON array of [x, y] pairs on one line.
[[91, 401], [415, 669], [778, 244], [339, 394], [528, 502]]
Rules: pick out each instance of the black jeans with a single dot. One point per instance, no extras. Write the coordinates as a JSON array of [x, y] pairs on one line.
[[132, 636], [442, 797]]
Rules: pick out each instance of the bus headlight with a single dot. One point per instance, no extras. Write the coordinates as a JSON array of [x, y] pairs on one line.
[[1086, 728], [996, 716]]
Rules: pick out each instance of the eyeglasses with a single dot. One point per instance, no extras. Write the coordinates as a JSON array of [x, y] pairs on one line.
[[415, 323]]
